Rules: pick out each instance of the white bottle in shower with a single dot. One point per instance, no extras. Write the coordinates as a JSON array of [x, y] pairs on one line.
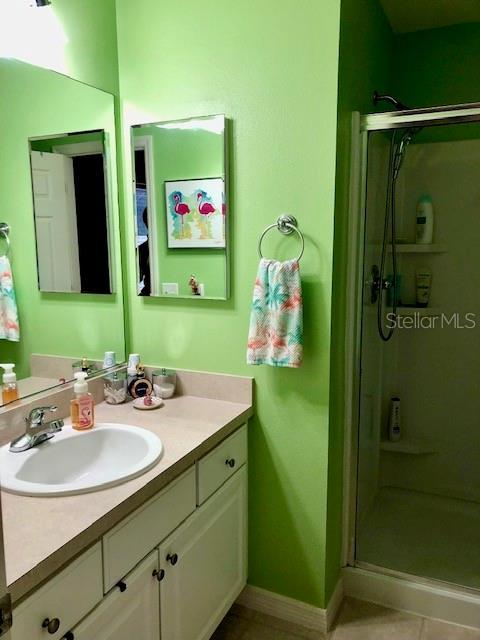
[[424, 220], [394, 427]]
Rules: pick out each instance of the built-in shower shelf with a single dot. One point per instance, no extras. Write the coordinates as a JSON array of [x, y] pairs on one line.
[[419, 312], [410, 447], [420, 248]]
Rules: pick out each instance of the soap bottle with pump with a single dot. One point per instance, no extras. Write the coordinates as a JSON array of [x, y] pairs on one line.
[[82, 407], [10, 387]]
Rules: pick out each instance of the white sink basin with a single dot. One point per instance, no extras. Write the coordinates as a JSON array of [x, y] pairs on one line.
[[79, 462]]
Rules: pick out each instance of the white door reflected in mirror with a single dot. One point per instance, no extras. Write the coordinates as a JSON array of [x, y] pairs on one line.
[[70, 195]]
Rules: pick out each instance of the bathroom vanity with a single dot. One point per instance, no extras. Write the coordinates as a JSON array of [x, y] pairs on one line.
[[161, 556]]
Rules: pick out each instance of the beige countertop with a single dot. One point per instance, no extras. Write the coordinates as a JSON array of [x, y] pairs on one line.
[[43, 534], [34, 384]]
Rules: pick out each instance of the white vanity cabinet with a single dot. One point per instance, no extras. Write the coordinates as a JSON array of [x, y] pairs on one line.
[[54, 608], [130, 612], [168, 571], [205, 564]]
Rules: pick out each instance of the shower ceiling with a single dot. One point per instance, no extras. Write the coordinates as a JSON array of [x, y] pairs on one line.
[[415, 15]]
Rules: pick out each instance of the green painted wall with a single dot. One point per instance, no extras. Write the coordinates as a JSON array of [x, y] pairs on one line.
[[366, 50], [273, 70], [62, 324], [180, 155], [74, 37], [91, 51], [47, 144], [438, 66]]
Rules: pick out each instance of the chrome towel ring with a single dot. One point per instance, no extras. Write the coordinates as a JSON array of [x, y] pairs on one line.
[[4, 232], [286, 224]]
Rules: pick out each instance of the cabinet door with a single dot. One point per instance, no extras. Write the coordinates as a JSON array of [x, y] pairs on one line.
[[205, 564], [129, 613]]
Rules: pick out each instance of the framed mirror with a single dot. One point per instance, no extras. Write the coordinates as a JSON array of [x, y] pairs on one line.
[[76, 315], [71, 211], [181, 208]]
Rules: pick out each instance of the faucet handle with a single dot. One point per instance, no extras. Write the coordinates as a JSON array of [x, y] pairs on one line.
[[35, 417], [56, 425]]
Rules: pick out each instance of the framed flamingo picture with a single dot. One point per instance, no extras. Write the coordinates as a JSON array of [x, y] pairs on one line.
[[195, 211]]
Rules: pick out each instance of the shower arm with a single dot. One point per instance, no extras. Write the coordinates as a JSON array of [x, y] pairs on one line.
[[400, 106]]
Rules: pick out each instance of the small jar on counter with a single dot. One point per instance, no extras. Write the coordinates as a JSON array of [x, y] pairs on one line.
[[164, 382], [115, 387]]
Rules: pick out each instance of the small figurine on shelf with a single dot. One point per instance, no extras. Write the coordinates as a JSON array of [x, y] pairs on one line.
[[193, 284]]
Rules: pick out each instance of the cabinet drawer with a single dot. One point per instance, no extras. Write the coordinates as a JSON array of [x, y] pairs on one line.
[[130, 541], [132, 613], [69, 596], [218, 465]]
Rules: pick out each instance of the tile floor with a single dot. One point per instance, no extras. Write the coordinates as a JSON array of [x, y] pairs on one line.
[[357, 620]]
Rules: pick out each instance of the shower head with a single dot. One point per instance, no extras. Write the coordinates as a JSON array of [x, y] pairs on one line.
[[385, 98], [401, 148]]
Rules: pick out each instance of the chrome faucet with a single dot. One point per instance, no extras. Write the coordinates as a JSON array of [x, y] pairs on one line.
[[37, 430]]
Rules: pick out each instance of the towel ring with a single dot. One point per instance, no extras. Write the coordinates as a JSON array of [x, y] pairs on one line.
[[4, 231], [285, 224]]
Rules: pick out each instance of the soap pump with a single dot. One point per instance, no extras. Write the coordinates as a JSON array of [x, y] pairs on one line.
[[82, 408], [10, 387]]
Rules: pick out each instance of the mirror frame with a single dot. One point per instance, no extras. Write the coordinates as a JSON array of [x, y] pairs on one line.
[[225, 176]]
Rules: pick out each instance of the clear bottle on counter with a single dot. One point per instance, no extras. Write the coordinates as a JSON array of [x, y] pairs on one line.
[[164, 383], [115, 387]]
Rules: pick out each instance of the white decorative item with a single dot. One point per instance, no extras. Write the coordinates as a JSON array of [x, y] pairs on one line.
[[155, 403]]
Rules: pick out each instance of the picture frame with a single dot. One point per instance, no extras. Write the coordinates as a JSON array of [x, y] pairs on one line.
[[196, 212]]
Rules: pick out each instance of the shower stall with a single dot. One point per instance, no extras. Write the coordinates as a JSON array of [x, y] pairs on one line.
[[413, 502]]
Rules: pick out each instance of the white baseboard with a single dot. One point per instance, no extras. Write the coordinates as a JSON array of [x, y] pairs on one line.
[[427, 600], [285, 608]]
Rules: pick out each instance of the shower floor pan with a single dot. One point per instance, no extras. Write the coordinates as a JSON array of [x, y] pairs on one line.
[[423, 534]]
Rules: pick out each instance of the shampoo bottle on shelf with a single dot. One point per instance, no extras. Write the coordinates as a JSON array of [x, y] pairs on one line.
[[9, 388], [394, 427], [82, 407], [424, 233], [423, 278]]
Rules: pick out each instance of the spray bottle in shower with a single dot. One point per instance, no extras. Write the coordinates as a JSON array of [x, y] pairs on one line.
[[394, 427], [424, 233]]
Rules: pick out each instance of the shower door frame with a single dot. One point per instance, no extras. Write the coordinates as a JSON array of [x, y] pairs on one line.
[[361, 126]]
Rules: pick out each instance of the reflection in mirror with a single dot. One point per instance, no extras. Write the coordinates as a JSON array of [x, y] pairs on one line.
[[45, 333], [71, 212], [181, 219]]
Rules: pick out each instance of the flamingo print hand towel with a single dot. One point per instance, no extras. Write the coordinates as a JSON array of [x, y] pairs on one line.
[[9, 328], [276, 323]]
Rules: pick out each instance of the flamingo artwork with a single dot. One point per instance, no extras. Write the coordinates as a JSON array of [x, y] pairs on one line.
[[204, 207], [195, 212], [224, 213], [180, 208]]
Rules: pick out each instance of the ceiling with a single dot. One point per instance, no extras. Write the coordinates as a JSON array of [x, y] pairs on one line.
[[415, 15]]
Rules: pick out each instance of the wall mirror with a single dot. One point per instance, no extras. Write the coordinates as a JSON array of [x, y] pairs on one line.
[[71, 211], [47, 332], [181, 208]]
